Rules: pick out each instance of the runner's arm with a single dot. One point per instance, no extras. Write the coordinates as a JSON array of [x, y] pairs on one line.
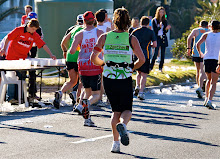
[[46, 48], [189, 41], [138, 52], [201, 40], [65, 44], [97, 49], [76, 41]]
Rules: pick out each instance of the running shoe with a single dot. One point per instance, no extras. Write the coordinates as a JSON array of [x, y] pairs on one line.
[[122, 130], [100, 103], [85, 111], [115, 147], [89, 122], [209, 105], [141, 96], [73, 97], [199, 92], [57, 100], [136, 91], [78, 109]]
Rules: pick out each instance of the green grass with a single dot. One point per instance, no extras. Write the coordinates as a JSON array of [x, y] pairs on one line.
[[153, 79]]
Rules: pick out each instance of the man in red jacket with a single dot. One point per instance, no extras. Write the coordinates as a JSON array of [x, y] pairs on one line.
[[22, 39]]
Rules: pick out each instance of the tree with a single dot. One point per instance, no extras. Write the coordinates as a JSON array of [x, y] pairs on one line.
[[10, 11]]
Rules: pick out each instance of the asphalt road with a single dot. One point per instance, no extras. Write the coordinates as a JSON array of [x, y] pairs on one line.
[[165, 125]]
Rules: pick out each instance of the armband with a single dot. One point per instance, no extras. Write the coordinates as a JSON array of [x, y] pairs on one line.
[[103, 64], [97, 49], [188, 48], [64, 51]]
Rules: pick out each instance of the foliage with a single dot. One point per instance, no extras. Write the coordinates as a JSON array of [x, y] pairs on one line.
[[4, 14], [211, 11]]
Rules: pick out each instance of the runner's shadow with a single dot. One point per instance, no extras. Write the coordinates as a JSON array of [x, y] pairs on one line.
[[135, 156], [21, 128], [161, 137]]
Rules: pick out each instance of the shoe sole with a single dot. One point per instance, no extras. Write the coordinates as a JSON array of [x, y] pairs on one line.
[[115, 151], [199, 94], [210, 106], [56, 102], [73, 99], [141, 98], [136, 91], [123, 134]]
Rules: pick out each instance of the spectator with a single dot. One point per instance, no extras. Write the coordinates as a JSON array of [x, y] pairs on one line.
[[27, 9], [134, 24]]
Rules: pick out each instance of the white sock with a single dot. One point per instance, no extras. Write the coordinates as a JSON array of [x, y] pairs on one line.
[[116, 142]]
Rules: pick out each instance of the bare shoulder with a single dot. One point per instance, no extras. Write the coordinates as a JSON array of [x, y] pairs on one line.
[[99, 32]]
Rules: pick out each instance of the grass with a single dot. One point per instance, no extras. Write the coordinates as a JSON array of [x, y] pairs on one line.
[[174, 72]]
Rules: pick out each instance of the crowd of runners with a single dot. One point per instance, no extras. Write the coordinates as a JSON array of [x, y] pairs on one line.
[[101, 55]]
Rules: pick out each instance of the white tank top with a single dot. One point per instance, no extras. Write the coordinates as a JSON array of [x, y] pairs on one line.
[[102, 27], [212, 46], [86, 67]]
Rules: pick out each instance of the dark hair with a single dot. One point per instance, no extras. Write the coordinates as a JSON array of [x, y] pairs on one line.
[[145, 20], [28, 6], [103, 10], [122, 20], [34, 23], [204, 23], [215, 25], [100, 16]]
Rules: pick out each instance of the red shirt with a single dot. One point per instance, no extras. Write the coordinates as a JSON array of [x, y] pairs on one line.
[[21, 43], [23, 19]]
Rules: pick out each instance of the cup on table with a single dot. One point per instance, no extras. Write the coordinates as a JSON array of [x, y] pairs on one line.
[[41, 63], [35, 63]]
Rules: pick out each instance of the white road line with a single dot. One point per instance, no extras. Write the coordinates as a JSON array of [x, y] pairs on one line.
[[94, 139]]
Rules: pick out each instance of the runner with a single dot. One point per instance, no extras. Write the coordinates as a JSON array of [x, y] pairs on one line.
[[212, 51], [118, 67], [134, 24], [145, 37], [107, 21], [90, 74], [198, 61], [71, 64]]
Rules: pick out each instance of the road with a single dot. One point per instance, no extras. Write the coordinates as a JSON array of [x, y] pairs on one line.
[[165, 125]]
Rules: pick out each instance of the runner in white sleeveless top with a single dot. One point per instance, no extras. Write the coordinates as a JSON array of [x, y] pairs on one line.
[[90, 74], [212, 50]]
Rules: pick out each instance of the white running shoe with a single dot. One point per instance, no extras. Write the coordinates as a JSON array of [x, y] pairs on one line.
[[141, 96], [79, 109], [100, 103], [89, 122], [199, 92], [115, 147], [209, 105]]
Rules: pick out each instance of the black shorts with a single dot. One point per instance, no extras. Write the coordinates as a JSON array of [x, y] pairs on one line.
[[93, 82], [119, 93], [210, 65], [145, 67], [197, 59], [72, 65]]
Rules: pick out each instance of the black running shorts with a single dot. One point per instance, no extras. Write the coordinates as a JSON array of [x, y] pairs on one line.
[[93, 82], [210, 65], [197, 59], [145, 67], [72, 65], [119, 93]]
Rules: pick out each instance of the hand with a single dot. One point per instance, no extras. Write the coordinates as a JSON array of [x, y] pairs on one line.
[[64, 55], [218, 69], [188, 52], [202, 55], [53, 57], [168, 27], [2, 52], [161, 24]]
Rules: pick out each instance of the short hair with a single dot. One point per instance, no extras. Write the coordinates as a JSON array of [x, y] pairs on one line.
[[122, 20], [215, 25], [100, 16], [34, 23], [89, 22], [204, 23], [28, 6], [103, 10], [145, 20]]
